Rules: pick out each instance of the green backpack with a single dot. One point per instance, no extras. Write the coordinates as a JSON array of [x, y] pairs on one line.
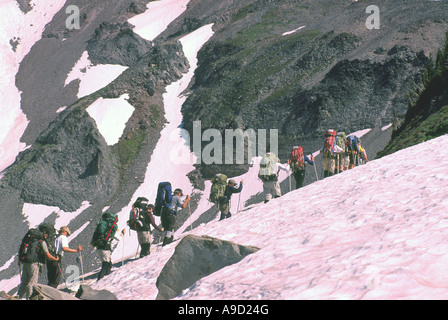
[[268, 167], [341, 140], [219, 183], [105, 231]]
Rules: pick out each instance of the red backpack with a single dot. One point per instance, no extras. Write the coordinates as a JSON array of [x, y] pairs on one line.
[[296, 158], [330, 140]]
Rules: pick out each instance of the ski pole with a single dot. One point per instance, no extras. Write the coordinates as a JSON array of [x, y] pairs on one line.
[[82, 269], [189, 213]]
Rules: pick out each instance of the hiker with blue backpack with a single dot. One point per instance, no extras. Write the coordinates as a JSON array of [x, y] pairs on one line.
[[167, 206]]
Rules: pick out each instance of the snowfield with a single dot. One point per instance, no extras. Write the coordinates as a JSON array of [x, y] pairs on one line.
[[378, 231]]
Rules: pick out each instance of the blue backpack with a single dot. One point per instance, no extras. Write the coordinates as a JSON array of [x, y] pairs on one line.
[[352, 143], [163, 198]]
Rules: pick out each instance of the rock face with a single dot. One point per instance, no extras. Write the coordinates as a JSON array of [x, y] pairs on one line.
[[194, 258], [44, 176]]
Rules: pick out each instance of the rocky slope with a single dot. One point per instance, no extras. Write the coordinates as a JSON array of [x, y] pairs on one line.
[[332, 73]]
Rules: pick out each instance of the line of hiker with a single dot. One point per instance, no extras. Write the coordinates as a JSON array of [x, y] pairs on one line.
[[44, 245], [341, 152]]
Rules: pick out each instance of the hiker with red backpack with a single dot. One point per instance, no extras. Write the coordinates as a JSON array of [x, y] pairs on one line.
[[297, 164], [331, 151]]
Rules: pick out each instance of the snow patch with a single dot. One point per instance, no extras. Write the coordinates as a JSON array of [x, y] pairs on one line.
[[111, 116], [157, 17], [93, 78]]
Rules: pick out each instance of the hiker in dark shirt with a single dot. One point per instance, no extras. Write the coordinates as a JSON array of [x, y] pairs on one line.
[[144, 231], [224, 202]]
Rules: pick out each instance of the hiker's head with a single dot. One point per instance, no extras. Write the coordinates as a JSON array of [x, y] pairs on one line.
[[231, 182], [150, 208], [178, 192], [65, 229]]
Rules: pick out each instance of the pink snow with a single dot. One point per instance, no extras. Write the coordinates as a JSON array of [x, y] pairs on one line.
[[157, 17], [27, 29], [92, 78], [378, 231], [111, 116]]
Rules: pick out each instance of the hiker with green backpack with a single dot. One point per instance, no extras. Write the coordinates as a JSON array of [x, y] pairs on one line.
[[270, 167], [224, 201], [105, 240]]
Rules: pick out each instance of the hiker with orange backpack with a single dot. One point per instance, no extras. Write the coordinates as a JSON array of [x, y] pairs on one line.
[[331, 151], [297, 164]]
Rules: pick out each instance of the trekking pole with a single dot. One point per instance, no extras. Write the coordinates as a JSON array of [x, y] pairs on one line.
[[82, 268], [62, 274], [189, 213], [122, 253], [238, 207]]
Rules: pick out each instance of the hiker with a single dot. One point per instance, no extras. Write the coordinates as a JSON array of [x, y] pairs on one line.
[[168, 216], [141, 220], [353, 143], [54, 268], [224, 201], [363, 155], [270, 166], [32, 258], [331, 152], [297, 164], [105, 240]]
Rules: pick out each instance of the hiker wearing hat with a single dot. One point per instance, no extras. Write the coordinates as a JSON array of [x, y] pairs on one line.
[[54, 267], [144, 231], [224, 202], [168, 216]]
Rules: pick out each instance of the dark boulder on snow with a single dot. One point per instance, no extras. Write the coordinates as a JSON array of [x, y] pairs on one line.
[[43, 292], [194, 258], [88, 293]]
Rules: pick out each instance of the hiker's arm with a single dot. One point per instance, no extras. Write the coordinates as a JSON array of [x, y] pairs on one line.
[[67, 249], [50, 257], [184, 205], [153, 222], [311, 162]]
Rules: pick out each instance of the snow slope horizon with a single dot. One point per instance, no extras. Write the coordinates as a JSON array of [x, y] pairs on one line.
[[380, 234]]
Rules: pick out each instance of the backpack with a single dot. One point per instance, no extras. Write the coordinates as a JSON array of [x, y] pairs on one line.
[[219, 184], [52, 236], [341, 140], [163, 198], [105, 231], [134, 221], [330, 141], [30, 249], [296, 158], [352, 143], [268, 167]]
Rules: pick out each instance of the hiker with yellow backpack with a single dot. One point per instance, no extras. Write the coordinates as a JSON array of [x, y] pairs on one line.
[[270, 167]]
